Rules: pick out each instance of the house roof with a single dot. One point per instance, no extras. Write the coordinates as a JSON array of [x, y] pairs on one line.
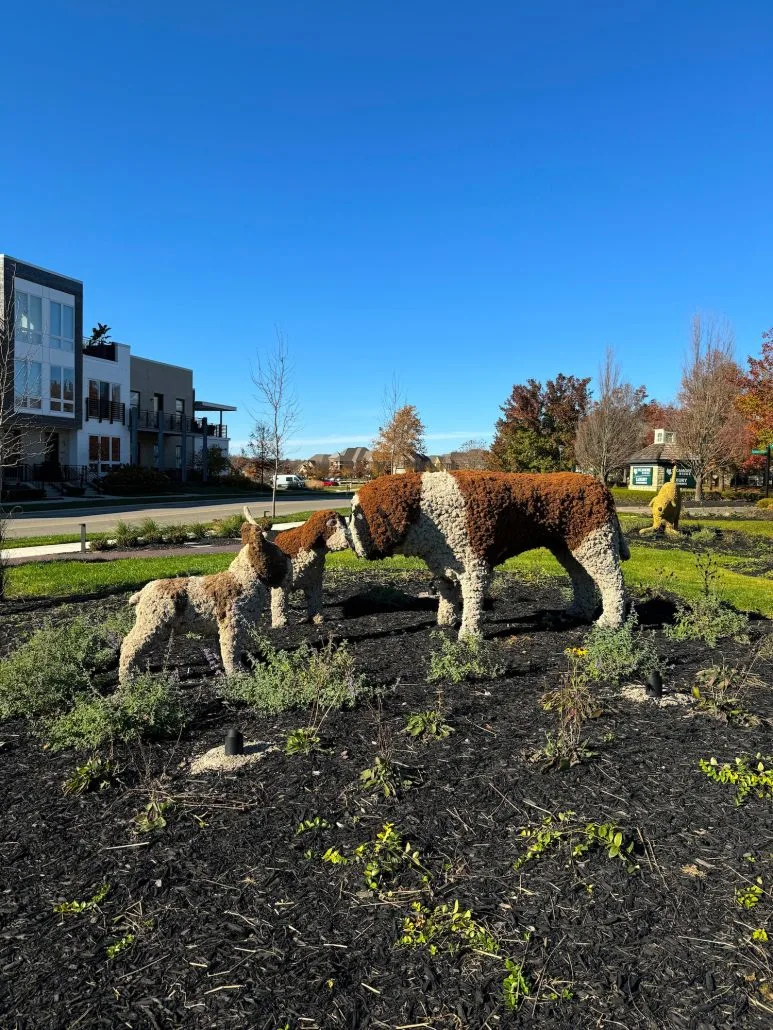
[[656, 454], [353, 454], [317, 458]]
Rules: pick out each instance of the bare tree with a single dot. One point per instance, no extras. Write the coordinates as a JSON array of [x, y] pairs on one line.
[[273, 381], [613, 427], [710, 430], [472, 454], [20, 434], [260, 449], [387, 447]]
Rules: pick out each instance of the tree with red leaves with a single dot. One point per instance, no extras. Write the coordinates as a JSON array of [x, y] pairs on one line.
[[756, 400], [539, 425]]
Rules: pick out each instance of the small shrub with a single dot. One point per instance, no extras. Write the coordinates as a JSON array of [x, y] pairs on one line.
[[383, 778], [445, 929], [617, 654], [381, 859], [302, 741], [228, 528], [750, 896], [199, 530], [765, 502], [151, 532], [515, 986], [148, 707], [96, 773], [99, 542], [468, 658], [717, 691], [428, 724], [177, 534], [280, 680], [707, 618], [55, 665], [127, 534], [742, 776], [574, 703], [135, 479], [77, 907], [152, 817], [122, 944], [552, 833]]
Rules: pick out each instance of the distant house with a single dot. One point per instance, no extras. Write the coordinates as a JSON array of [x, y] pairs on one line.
[[317, 465], [351, 461], [650, 467], [417, 462], [443, 462]]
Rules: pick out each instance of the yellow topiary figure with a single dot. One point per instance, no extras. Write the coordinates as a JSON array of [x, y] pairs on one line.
[[666, 507]]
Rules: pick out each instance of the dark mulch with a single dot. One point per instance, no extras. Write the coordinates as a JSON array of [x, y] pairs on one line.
[[251, 929]]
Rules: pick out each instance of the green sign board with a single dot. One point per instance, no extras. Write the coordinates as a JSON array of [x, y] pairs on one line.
[[760, 452], [641, 475], [683, 478]]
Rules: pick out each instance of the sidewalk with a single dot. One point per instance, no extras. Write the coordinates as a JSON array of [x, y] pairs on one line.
[[50, 552]]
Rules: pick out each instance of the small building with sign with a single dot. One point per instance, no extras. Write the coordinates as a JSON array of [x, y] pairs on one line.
[[651, 467]]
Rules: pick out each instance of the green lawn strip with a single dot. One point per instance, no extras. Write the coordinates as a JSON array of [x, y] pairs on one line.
[[748, 593], [752, 527]]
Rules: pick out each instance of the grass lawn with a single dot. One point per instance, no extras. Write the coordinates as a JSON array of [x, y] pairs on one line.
[[40, 541], [672, 570]]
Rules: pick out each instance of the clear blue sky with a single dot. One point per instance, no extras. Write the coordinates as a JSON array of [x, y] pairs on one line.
[[467, 194]]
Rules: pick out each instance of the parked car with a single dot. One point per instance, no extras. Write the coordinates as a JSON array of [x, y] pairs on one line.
[[288, 482], [331, 482]]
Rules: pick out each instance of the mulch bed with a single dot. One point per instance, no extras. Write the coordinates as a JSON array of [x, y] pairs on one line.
[[250, 928]]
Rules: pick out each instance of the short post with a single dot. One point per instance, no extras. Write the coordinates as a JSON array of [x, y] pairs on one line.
[[83, 537], [234, 742]]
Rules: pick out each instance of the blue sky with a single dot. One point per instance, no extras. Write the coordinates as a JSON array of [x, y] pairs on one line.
[[463, 194]]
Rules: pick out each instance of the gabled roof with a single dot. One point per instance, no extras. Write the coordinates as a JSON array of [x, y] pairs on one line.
[[353, 454], [656, 454]]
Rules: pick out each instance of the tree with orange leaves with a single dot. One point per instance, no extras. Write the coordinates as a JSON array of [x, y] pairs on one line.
[[756, 400]]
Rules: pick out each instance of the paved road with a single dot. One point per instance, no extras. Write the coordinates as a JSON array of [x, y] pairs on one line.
[[165, 512]]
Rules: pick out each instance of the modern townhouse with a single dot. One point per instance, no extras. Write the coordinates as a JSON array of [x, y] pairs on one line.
[[87, 407]]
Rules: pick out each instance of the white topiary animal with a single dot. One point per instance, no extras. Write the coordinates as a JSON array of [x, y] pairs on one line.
[[224, 605], [305, 548], [464, 523]]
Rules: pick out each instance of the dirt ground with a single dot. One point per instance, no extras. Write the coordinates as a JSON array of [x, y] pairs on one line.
[[238, 922]]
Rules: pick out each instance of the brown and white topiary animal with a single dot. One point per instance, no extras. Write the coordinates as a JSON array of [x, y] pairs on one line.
[[464, 523], [224, 605], [305, 548]]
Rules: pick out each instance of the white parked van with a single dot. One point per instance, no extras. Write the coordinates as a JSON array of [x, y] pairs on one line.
[[288, 482]]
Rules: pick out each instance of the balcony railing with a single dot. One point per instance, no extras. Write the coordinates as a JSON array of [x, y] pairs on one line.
[[105, 411], [154, 421]]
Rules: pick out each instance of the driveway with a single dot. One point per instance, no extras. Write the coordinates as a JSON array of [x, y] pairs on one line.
[[165, 512]]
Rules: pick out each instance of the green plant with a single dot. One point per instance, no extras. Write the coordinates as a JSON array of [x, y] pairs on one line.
[[617, 654], [552, 832], [382, 777], [176, 534], [706, 617], [381, 858], [315, 823], [468, 658], [280, 680], [515, 986], [751, 895], [574, 703], [760, 935], [77, 907], [99, 542], [150, 531], [123, 944], [148, 707], [96, 772], [428, 724], [229, 527], [745, 779], [445, 928], [152, 817], [56, 664], [127, 534], [302, 741], [712, 691]]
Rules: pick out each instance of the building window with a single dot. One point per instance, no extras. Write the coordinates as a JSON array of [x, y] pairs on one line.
[[29, 318], [178, 456], [61, 326], [62, 391], [179, 406], [155, 455], [115, 449], [101, 394], [158, 402], [93, 448], [134, 399], [105, 450], [28, 382]]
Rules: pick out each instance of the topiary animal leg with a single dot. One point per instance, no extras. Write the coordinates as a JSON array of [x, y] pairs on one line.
[[585, 600], [598, 555], [447, 610], [474, 582], [278, 607]]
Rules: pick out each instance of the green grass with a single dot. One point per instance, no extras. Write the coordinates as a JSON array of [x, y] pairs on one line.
[[748, 593], [752, 527]]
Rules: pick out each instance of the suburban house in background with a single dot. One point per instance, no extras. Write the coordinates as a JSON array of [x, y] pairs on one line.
[[91, 406], [651, 467]]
